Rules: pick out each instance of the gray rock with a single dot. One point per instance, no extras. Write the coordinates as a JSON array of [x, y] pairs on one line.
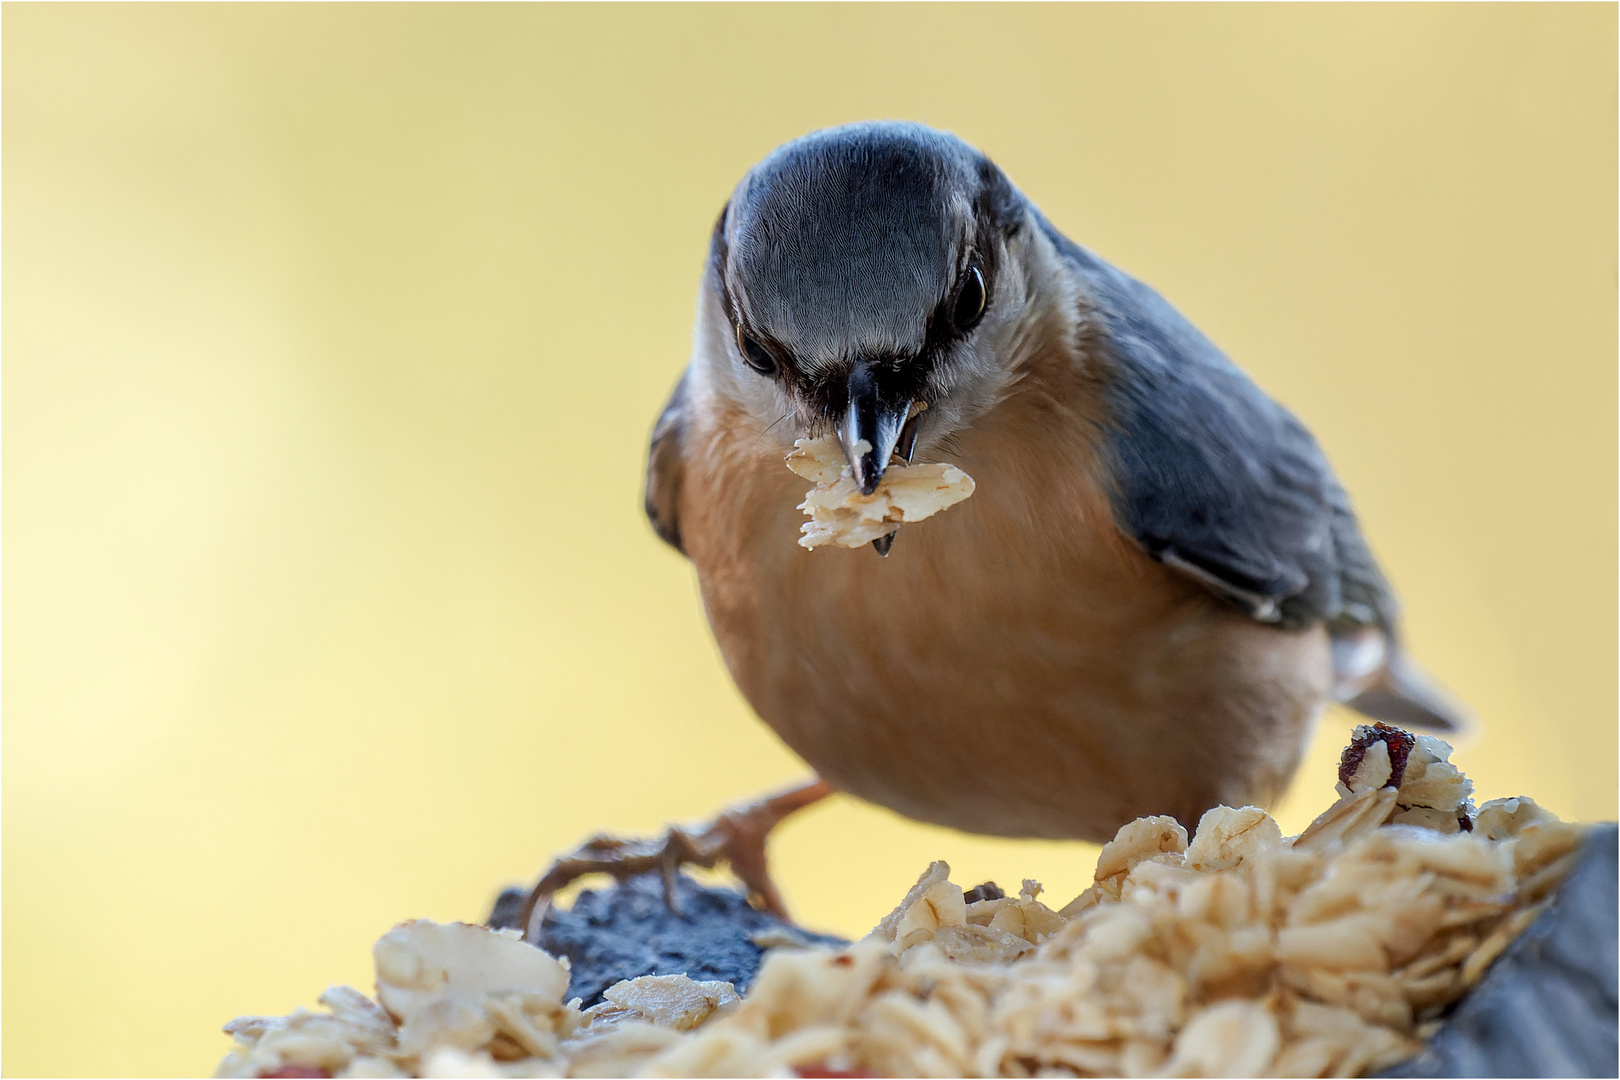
[[627, 931]]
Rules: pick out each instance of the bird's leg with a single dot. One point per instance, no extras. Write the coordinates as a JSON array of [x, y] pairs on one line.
[[736, 837]]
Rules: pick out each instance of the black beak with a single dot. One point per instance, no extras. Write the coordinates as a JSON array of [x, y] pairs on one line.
[[872, 427]]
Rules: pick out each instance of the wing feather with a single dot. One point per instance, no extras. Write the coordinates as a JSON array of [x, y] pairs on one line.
[[1212, 476], [666, 468]]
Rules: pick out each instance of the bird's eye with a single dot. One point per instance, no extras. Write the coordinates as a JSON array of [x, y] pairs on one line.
[[756, 355], [970, 301]]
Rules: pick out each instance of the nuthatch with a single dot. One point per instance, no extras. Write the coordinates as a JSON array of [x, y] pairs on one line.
[[1157, 585]]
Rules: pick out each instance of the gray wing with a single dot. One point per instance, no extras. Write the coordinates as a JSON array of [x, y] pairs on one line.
[[1216, 479], [666, 469]]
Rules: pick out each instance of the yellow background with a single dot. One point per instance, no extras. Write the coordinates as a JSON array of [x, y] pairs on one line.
[[333, 335]]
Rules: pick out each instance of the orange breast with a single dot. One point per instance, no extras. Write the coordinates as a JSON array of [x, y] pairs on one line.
[[1016, 665]]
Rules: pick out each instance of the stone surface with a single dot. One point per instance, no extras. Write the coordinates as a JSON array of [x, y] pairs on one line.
[[1547, 1007], [627, 931]]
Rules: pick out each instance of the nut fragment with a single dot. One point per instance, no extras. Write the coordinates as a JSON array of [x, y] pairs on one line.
[[672, 1001], [420, 963], [1138, 840], [1501, 819], [1431, 780], [1225, 837]]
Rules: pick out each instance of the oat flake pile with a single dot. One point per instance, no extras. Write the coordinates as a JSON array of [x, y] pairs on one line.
[[1241, 953]]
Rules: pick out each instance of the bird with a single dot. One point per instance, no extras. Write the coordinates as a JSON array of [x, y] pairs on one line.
[[1156, 589]]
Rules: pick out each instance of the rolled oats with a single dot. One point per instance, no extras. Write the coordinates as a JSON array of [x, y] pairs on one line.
[[840, 514], [1240, 953]]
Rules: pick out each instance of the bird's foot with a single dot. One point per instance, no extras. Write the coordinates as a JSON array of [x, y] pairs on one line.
[[736, 837]]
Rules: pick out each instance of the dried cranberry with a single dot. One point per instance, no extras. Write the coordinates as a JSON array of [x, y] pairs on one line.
[[988, 891], [1398, 742]]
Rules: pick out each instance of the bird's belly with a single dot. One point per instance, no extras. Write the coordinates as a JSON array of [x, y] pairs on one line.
[[1013, 667]]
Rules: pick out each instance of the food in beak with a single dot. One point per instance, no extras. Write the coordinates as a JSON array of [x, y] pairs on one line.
[[840, 514]]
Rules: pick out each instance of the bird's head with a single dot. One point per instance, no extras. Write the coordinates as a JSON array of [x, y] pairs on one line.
[[872, 283]]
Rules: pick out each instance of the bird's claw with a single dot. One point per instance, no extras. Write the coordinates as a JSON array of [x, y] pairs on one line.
[[736, 837]]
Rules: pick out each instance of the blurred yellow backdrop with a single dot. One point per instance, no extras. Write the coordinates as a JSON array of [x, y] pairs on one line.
[[333, 336]]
